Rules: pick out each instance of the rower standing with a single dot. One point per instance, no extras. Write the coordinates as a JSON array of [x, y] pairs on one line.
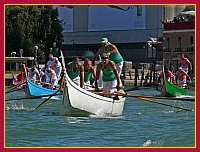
[[184, 63], [55, 65], [112, 52]]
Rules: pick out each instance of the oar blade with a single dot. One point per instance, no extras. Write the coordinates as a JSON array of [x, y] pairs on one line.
[[45, 100]]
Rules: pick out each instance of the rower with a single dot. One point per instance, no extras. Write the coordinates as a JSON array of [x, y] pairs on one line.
[[184, 63], [89, 71], [50, 77], [55, 65], [113, 53], [167, 74], [182, 76], [75, 71], [111, 79], [33, 74]]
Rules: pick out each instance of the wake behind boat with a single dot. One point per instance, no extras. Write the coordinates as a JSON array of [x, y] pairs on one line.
[[77, 98]]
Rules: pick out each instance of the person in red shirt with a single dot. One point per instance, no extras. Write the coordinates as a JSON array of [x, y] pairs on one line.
[[169, 76], [182, 77], [184, 63]]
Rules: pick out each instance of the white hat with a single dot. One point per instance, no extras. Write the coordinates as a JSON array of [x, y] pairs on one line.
[[104, 40], [48, 69], [180, 68]]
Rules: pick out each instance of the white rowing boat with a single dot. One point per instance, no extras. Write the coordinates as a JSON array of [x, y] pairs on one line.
[[75, 97]]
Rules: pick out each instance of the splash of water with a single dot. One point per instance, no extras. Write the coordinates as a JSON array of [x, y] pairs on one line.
[[13, 106], [147, 143]]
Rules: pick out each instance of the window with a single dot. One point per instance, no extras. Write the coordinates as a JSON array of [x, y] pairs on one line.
[[179, 42], [191, 41], [168, 43]]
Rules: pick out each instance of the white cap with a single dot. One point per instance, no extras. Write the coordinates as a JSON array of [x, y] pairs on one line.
[[48, 69], [104, 40]]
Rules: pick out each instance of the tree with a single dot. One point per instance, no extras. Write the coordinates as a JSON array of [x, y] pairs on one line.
[[27, 26]]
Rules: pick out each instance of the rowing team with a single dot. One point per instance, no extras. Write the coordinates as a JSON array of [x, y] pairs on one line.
[[181, 76], [109, 70]]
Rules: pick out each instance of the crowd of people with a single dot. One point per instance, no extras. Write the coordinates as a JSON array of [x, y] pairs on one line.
[[182, 18]]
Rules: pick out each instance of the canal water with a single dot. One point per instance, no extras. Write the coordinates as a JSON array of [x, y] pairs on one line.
[[143, 124]]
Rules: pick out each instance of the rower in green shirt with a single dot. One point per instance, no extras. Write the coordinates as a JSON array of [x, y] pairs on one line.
[[75, 71], [113, 53], [89, 71], [111, 79]]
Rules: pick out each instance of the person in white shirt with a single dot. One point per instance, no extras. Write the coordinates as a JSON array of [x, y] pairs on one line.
[[50, 77], [55, 64], [41, 72], [33, 74]]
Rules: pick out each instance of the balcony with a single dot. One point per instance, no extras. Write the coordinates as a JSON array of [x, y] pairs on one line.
[[179, 25], [178, 50], [167, 50], [190, 49]]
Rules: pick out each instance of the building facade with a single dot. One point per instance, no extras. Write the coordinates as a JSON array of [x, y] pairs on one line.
[[135, 30], [178, 38]]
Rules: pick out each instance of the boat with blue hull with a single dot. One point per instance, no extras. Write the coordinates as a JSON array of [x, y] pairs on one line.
[[33, 89]]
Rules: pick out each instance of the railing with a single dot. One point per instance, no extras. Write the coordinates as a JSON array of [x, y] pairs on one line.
[[179, 25], [178, 50], [190, 49], [167, 50]]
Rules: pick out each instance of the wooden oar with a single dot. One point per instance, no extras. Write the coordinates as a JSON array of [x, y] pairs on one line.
[[153, 101], [142, 98], [31, 97], [145, 99], [134, 88], [13, 88], [155, 97], [46, 100]]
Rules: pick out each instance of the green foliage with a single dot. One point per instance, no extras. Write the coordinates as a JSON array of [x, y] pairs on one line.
[[30, 25]]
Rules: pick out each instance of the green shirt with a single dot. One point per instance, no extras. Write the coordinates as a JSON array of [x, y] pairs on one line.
[[87, 75], [108, 74], [71, 73], [116, 57]]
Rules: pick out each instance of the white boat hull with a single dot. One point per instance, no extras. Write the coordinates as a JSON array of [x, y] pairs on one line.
[[76, 97]]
